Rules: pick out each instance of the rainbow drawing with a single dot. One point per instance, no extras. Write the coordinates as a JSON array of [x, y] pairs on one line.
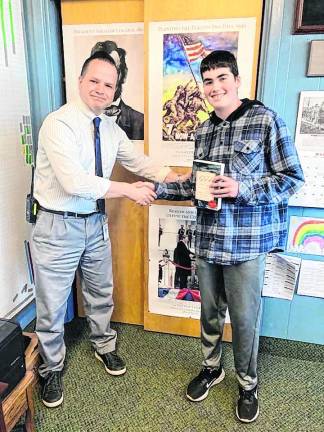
[[306, 235]]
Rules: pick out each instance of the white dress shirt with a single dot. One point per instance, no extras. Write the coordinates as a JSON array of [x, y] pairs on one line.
[[65, 177]]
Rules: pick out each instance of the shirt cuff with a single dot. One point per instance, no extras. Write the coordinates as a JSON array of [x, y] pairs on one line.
[[103, 187], [159, 190], [244, 194]]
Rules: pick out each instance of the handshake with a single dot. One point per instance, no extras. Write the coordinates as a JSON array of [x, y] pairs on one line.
[[142, 192]]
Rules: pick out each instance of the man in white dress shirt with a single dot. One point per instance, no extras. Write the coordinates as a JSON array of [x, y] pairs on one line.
[[71, 228]]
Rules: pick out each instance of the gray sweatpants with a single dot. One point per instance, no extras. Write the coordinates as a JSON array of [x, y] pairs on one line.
[[59, 245], [239, 288]]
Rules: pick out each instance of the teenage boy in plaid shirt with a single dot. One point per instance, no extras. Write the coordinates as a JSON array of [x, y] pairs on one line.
[[262, 171]]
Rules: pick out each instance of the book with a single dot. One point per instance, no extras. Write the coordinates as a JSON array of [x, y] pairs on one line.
[[203, 173]]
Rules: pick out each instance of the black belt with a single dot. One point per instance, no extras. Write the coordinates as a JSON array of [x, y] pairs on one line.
[[67, 213]]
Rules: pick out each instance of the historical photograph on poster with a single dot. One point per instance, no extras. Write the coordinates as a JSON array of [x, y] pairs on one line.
[[173, 281], [309, 141], [176, 102], [124, 42]]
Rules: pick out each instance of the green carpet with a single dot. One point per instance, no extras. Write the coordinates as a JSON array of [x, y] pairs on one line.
[[151, 396]]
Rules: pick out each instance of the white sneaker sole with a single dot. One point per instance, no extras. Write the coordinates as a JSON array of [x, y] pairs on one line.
[[217, 381], [111, 372], [246, 420], [53, 404]]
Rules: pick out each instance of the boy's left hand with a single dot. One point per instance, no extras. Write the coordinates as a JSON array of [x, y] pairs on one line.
[[224, 187]]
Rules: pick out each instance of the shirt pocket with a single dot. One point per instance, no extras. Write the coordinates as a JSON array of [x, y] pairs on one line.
[[201, 150], [247, 156]]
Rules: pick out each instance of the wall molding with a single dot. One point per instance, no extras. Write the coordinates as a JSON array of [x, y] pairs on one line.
[[273, 15]]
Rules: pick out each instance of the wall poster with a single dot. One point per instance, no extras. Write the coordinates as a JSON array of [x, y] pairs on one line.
[[124, 42], [173, 283], [176, 102], [173, 286], [306, 235]]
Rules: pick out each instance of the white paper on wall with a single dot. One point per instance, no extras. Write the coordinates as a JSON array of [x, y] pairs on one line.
[[281, 275], [311, 279]]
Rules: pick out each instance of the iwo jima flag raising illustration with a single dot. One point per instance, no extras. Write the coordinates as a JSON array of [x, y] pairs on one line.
[[184, 108]]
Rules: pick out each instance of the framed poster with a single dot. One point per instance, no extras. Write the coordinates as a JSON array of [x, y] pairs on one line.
[[316, 59], [309, 16]]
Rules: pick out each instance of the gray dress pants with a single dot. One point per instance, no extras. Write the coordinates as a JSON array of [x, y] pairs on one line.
[[239, 288], [59, 245]]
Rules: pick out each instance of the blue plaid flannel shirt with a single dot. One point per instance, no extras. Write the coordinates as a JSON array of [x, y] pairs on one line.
[[259, 153]]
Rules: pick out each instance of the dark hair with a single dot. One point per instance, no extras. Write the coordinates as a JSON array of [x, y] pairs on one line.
[[218, 59], [119, 56], [99, 55]]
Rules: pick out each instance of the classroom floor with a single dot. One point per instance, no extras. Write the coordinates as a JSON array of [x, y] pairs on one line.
[[151, 396]]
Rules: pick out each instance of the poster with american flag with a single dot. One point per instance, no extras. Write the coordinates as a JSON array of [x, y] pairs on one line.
[[177, 105]]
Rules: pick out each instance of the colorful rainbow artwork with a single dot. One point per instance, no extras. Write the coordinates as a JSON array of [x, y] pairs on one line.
[[307, 236]]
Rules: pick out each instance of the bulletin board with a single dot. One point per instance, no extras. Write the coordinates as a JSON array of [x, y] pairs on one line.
[[129, 222]]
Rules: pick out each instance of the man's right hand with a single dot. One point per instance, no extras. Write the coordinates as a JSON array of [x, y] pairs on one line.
[[141, 194]]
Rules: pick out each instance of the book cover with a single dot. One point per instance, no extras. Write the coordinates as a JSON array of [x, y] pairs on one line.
[[203, 174]]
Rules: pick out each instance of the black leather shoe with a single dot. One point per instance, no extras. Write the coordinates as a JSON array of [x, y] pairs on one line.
[[247, 409], [114, 365], [52, 389]]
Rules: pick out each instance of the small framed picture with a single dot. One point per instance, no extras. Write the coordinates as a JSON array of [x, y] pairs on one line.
[[309, 16], [316, 59]]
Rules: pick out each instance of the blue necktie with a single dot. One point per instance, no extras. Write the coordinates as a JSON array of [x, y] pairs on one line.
[[96, 122]]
